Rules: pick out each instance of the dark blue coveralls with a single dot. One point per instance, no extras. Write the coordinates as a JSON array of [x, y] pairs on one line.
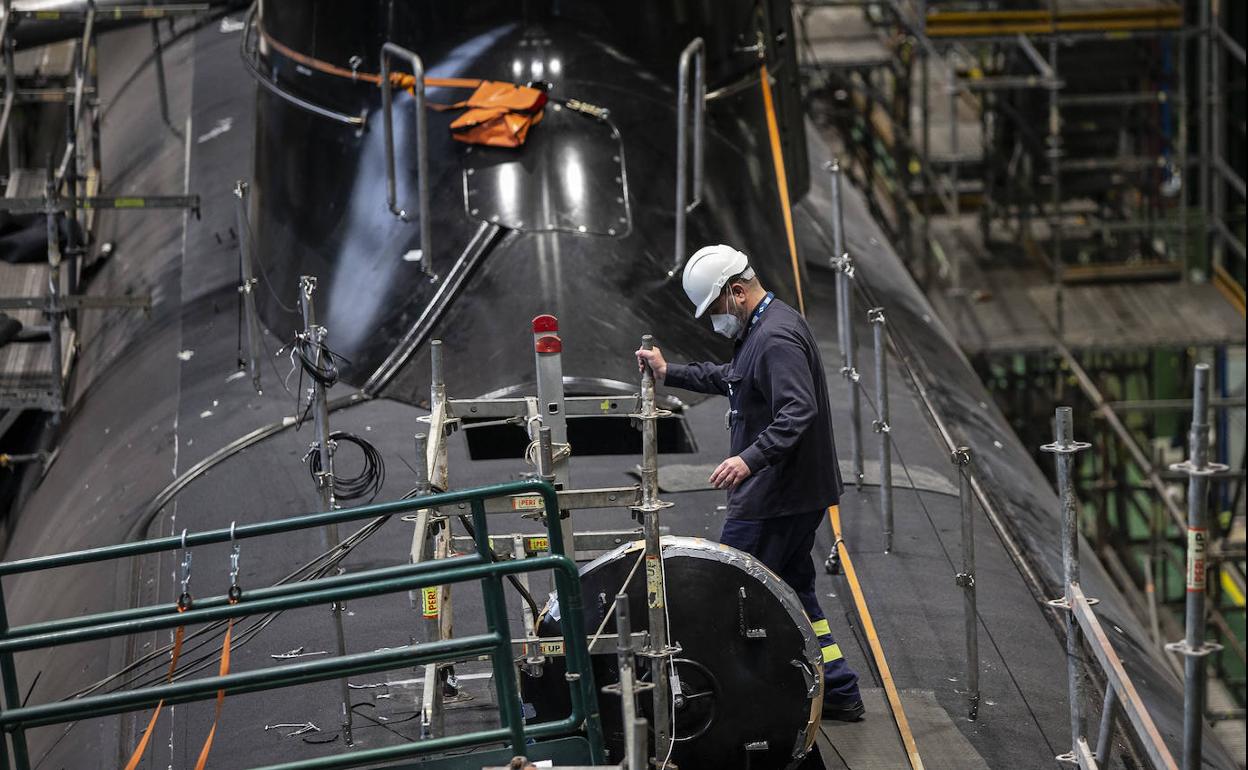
[[781, 427]]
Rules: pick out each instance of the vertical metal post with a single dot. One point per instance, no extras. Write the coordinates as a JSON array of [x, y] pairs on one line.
[[325, 479], [1181, 43], [1217, 136], [1054, 152], [838, 248], [422, 148], [1065, 447], [10, 87], [428, 599], [509, 710], [1104, 738], [844, 320], [162, 90], [1206, 133], [628, 693], [882, 426], [53, 311], [1194, 648], [694, 54], [850, 369], [926, 170], [12, 699], [966, 579], [954, 147], [251, 318], [73, 252], [548, 361], [661, 649]]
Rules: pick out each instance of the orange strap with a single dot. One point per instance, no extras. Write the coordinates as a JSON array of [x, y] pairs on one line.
[[141, 749], [225, 669], [782, 184], [397, 79]]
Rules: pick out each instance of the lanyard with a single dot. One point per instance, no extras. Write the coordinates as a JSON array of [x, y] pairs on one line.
[[762, 305]]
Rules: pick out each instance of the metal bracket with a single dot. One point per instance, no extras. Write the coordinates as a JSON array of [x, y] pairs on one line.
[[1063, 603], [879, 426], [1182, 648], [742, 626], [964, 580], [1208, 469], [845, 264], [1065, 449], [666, 652], [960, 456], [850, 373], [875, 315]]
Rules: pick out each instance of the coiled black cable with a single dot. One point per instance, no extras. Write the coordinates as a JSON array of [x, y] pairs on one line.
[[318, 361], [367, 483]]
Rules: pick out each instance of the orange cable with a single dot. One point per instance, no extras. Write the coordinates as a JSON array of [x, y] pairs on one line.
[[782, 183]]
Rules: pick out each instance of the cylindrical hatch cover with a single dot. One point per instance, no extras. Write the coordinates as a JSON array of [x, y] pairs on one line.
[[749, 664]]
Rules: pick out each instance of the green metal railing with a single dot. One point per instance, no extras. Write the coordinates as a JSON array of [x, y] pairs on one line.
[[15, 718]]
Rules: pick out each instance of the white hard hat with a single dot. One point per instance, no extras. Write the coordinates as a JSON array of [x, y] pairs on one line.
[[708, 270]]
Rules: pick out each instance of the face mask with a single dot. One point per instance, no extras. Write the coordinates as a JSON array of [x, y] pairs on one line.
[[727, 324]]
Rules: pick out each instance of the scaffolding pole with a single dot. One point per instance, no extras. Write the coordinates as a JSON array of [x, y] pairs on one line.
[[1193, 647], [314, 336]]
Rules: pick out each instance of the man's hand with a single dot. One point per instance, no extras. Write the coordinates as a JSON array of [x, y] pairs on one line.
[[730, 473], [655, 359]]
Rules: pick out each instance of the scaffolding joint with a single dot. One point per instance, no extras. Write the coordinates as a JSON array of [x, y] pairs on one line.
[[1202, 650]]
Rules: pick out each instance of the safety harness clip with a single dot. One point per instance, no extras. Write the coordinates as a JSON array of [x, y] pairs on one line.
[[184, 598], [235, 593]]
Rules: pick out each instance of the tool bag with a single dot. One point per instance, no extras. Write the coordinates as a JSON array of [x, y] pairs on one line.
[[498, 114]]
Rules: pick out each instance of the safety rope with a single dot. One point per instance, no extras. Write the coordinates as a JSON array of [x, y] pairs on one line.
[[397, 79], [873, 640], [216, 717], [141, 749], [782, 183]]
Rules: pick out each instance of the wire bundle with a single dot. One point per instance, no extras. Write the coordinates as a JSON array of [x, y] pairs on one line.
[[318, 361], [367, 483]]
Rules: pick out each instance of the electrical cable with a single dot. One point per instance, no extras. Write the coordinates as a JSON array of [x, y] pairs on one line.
[[367, 483]]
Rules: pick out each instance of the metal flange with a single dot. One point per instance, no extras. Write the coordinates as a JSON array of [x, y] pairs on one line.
[[1065, 449], [1064, 604], [1208, 469], [1205, 649]]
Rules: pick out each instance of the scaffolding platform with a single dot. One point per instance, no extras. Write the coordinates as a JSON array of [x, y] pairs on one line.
[[839, 37], [27, 374], [1014, 311]]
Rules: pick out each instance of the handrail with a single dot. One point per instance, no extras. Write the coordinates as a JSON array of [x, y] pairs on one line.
[[695, 54], [422, 148], [245, 53], [15, 718]]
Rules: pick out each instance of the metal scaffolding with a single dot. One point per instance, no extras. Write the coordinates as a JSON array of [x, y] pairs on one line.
[[68, 196]]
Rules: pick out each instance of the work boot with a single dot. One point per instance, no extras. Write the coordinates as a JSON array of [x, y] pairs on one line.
[[852, 711]]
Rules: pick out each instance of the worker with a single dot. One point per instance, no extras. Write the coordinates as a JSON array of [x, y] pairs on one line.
[[783, 473]]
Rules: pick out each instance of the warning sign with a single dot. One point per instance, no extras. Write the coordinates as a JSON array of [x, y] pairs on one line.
[[1196, 559], [527, 503], [429, 601], [538, 544]]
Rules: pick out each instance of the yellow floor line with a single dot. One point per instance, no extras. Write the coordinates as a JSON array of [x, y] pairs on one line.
[[877, 652]]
